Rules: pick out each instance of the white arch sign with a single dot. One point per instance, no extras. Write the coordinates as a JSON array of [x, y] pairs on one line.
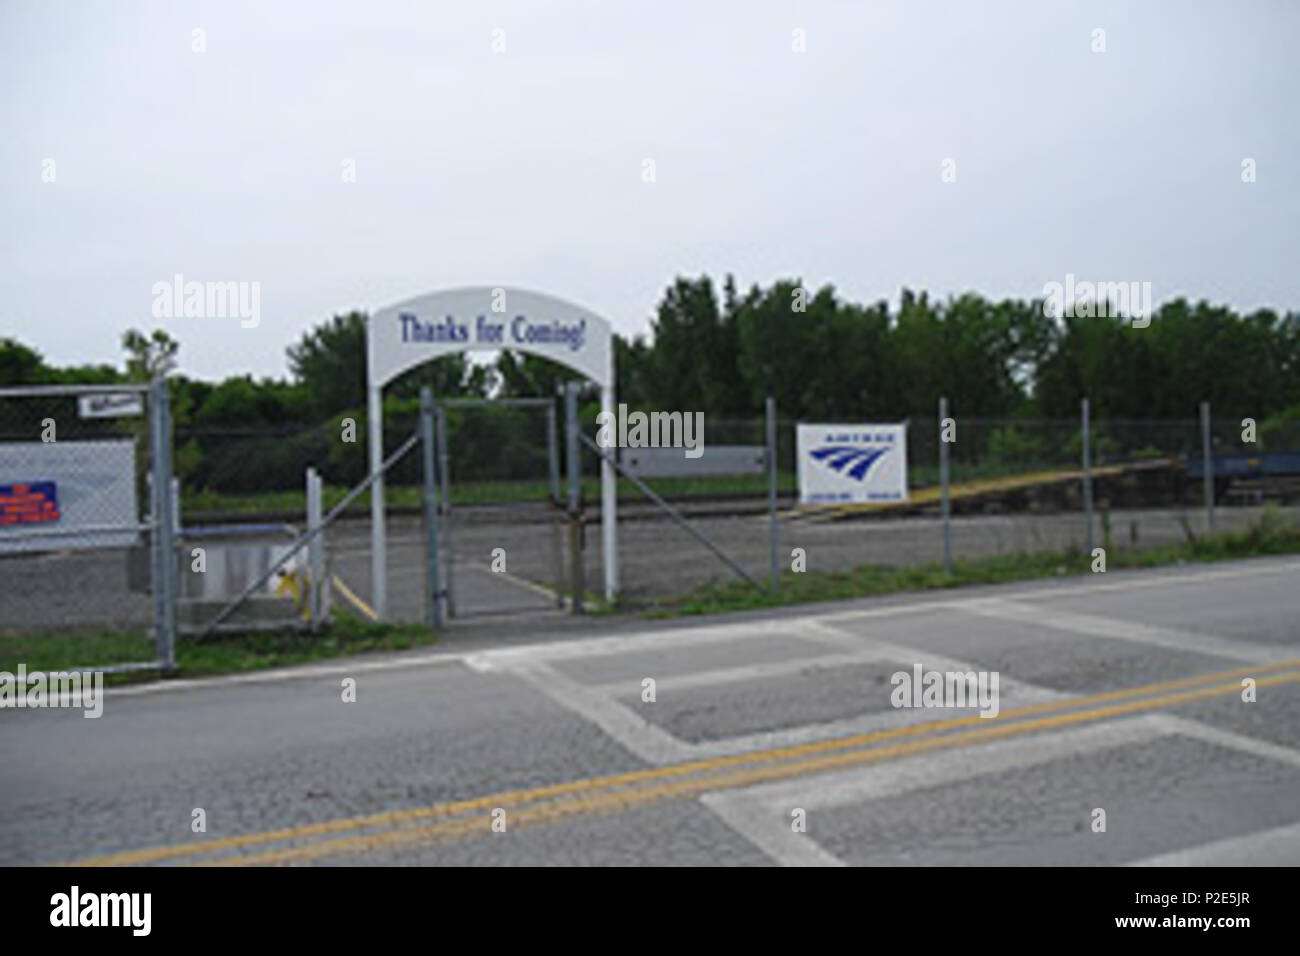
[[484, 318]]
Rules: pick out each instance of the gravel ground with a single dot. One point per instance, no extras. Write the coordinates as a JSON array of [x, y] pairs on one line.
[[82, 589]]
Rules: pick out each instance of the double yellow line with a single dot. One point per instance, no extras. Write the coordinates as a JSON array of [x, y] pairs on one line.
[[394, 829]]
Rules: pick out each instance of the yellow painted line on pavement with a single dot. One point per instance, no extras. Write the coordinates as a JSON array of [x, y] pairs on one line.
[[401, 817], [407, 837]]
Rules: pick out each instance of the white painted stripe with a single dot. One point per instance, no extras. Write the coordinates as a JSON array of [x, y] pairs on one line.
[[762, 813], [1013, 693], [346, 667], [1230, 739], [642, 738], [1276, 847], [1096, 626], [726, 630], [754, 822], [904, 774], [1129, 580], [656, 745], [1023, 691], [481, 663], [628, 643], [745, 672], [765, 816]]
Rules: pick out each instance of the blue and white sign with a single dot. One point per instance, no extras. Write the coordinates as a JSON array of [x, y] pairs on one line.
[[487, 318], [67, 495], [852, 464]]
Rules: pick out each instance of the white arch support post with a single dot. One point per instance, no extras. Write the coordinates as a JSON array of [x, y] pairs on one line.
[[609, 494], [483, 318], [378, 531]]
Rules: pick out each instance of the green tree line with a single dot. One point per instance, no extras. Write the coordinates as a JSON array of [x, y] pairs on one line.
[[720, 351]]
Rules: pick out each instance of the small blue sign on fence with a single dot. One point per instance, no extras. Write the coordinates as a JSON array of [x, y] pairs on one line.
[[33, 502]]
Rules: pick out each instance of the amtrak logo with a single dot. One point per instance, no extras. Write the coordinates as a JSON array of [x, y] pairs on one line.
[[852, 464], [851, 460]]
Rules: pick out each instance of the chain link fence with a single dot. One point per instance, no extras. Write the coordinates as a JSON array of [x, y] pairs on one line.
[[80, 562], [77, 511], [1016, 487]]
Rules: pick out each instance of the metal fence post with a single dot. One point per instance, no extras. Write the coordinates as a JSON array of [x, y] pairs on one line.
[[574, 466], [315, 550], [177, 526], [945, 504], [553, 463], [444, 475], [1087, 473], [164, 531], [432, 594], [773, 543], [1207, 458]]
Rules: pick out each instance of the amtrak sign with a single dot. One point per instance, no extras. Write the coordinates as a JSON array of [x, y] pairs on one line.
[[852, 464], [487, 318]]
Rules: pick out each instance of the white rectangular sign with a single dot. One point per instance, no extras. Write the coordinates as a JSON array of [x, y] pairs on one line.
[[110, 404], [716, 460], [852, 464], [67, 494]]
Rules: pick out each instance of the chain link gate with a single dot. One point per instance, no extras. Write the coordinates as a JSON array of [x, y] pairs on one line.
[[500, 528], [502, 554]]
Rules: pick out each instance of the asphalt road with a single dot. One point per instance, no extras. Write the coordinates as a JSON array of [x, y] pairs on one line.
[[1120, 693]]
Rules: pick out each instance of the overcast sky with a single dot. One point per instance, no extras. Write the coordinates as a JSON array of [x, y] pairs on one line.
[[526, 167]]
